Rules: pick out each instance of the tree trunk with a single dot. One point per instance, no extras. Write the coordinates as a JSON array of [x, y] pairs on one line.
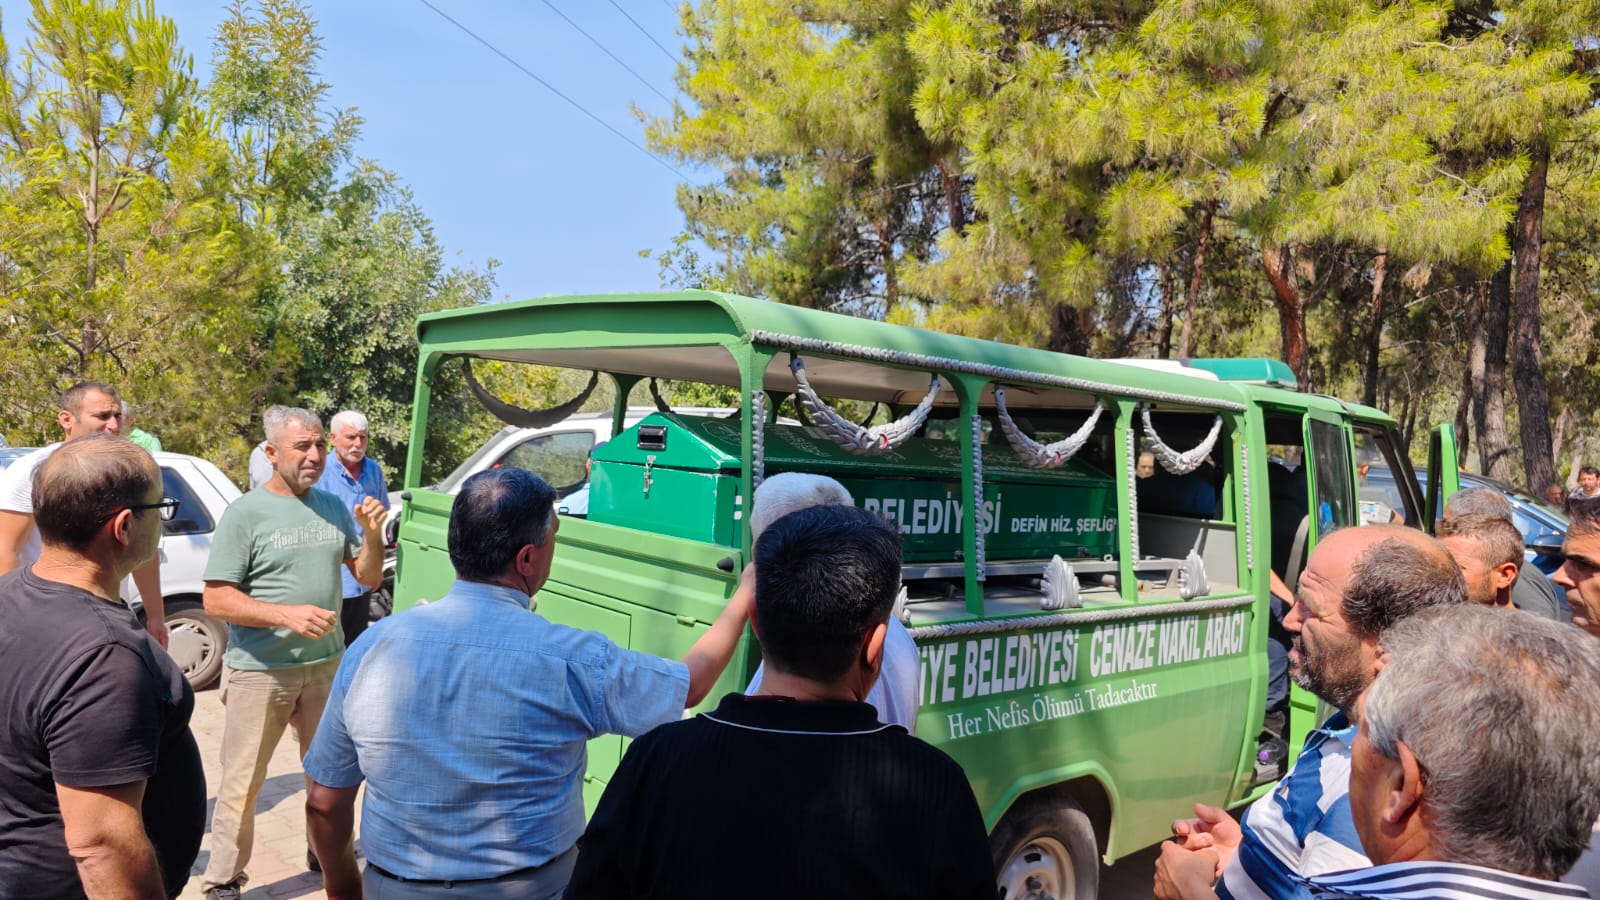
[[1471, 370], [1369, 391], [1527, 362], [955, 205], [1494, 444], [1279, 265], [1186, 338], [1164, 326], [891, 280]]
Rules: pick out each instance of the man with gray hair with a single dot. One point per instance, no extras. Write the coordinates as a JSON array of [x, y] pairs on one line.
[[260, 466], [894, 694], [1475, 771], [1357, 584], [354, 477], [1531, 592], [273, 576]]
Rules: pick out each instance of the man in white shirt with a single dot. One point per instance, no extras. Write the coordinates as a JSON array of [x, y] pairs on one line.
[[88, 407]]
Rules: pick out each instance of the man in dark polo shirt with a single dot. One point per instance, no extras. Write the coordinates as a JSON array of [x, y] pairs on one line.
[[101, 791], [798, 792]]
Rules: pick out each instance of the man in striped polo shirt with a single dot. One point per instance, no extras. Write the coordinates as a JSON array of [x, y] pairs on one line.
[[1444, 811], [1357, 583]]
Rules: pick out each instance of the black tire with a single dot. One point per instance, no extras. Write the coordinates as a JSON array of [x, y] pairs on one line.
[[197, 642], [1044, 849]]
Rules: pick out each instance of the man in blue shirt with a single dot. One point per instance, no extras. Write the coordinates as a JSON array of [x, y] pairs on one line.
[[1357, 583], [352, 476], [468, 718]]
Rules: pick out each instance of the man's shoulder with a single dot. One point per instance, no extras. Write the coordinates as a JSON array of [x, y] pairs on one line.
[[16, 482]]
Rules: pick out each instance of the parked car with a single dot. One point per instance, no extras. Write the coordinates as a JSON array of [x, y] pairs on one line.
[[1543, 526], [197, 640]]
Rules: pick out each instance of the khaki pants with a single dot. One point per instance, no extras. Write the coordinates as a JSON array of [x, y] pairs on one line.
[[258, 706]]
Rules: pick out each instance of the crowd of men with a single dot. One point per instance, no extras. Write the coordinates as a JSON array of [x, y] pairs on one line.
[[1459, 761]]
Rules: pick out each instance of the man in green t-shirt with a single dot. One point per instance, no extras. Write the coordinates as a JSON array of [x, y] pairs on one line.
[[273, 576]]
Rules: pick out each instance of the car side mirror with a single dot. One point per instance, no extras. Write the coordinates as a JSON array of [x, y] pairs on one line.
[[1547, 544]]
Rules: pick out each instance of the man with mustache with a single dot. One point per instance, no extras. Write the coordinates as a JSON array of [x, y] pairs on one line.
[[1357, 583], [353, 477], [274, 577]]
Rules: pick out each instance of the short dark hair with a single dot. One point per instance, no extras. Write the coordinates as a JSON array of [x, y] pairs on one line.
[[1589, 470], [825, 575], [498, 512], [85, 482], [72, 398], [1396, 577]]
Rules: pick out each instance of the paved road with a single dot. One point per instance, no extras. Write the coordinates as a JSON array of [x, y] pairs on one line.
[[278, 866]]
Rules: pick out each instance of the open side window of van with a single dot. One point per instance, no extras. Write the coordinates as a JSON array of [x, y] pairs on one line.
[[1385, 500]]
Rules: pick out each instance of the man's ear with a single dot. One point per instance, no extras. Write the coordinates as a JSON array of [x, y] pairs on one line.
[[1402, 786], [119, 525], [872, 646], [1505, 575], [64, 419]]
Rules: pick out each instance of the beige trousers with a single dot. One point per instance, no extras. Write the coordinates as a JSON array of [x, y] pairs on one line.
[[258, 706]]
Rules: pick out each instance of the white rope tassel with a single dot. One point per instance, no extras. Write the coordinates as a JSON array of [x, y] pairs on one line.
[[1173, 461], [852, 437], [758, 437], [1044, 456]]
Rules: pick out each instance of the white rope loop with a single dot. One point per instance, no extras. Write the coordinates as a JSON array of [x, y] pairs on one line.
[[758, 437], [1035, 454], [847, 434], [1173, 461]]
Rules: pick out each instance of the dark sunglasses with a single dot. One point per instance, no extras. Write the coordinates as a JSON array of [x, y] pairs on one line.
[[167, 506]]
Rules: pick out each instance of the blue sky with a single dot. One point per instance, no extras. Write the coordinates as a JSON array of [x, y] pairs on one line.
[[503, 167]]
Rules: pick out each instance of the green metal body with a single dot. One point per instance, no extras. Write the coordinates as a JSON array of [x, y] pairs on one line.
[[1136, 705]]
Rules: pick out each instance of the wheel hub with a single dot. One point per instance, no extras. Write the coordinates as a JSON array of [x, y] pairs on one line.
[[188, 646], [1040, 870]]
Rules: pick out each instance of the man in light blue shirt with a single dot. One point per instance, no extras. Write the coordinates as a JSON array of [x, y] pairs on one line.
[[352, 476], [468, 718]]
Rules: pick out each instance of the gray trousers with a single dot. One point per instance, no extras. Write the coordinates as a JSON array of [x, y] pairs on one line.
[[544, 883]]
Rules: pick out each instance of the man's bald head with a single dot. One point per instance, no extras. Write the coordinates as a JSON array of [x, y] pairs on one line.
[[1394, 571]]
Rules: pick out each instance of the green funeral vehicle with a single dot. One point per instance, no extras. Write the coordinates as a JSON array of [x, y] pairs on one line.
[[1093, 632]]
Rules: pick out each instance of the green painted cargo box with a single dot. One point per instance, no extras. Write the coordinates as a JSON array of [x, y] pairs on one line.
[[679, 475]]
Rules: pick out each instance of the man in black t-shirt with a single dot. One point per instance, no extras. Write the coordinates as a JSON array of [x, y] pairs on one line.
[[798, 792], [101, 790]]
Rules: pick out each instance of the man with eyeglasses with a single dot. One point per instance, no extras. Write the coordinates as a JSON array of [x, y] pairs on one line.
[[103, 790], [274, 577], [88, 407]]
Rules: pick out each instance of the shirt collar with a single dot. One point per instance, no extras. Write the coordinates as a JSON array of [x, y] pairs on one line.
[[781, 714], [1339, 728], [1438, 879], [482, 591]]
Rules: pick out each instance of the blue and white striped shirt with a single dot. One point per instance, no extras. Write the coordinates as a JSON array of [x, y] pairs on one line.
[[1427, 880], [1303, 828]]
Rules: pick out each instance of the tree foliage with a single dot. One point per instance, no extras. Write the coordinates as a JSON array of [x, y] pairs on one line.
[[209, 249], [1343, 183]]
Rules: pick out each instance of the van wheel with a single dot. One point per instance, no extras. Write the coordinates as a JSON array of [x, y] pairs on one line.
[[196, 642], [1044, 849]]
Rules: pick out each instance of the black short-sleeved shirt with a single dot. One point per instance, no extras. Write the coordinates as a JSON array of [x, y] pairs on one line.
[[780, 799], [89, 700]]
